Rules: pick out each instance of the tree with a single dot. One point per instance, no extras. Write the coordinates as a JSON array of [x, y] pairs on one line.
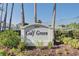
[[5, 17], [22, 15], [1, 9], [11, 16], [54, 18], [35, 12]]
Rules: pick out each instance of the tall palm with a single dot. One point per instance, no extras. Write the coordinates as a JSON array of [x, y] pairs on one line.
[[11, 16], [35, 12], [22, 14], [5, 17], [1, 15], [54, 19]]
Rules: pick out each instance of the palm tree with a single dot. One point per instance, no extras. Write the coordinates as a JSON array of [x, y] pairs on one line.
[[54, 18], [5, 17], [1, 15], [35, 12], [11, 16], [22, 14]]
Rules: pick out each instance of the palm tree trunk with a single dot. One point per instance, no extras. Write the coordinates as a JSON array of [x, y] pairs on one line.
[[54, 19], [22, 14], [5, 17], [11, 16], [1, 16], [35, 12]]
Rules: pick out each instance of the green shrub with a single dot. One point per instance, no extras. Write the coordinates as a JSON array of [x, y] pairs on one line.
[[72, 42], [9, 38], [21, 46], [50, 45], [59, 34], [76, 34], [66, 40], [2, 53], [70, 33]]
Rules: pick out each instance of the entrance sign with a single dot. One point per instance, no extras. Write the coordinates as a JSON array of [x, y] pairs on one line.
[[36, 33]]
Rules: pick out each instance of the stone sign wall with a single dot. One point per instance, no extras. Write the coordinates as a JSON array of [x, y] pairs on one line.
[[36, 34]]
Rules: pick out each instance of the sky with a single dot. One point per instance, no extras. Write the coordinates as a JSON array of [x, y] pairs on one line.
[[64, 13]]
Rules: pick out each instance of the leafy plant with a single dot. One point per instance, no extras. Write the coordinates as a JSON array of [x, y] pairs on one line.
[[72, 42], [76, 34], [50, 45], [9, 38], [66, 40], [21, 46], [59, 34], [2, 53]]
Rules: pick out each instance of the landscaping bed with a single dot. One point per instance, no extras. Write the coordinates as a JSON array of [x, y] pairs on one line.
[[65, 45], [58, 50]]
